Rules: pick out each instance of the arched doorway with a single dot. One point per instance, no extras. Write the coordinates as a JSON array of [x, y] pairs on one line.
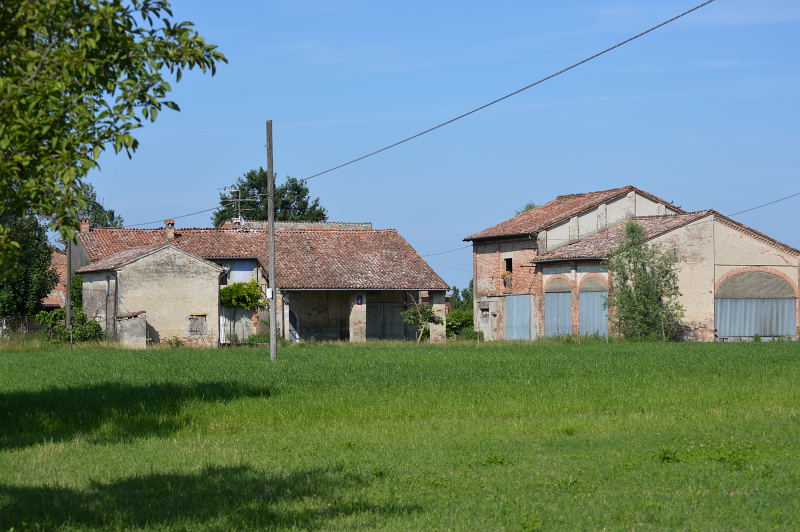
[[755, 304], [592, 313], [558, 308]]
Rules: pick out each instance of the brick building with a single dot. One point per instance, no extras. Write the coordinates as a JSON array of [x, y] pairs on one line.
[[336, 281], [541, 273]]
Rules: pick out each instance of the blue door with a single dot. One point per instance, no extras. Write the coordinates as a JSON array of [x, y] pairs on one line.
[[593, 314], [518, 318], [557, 313]]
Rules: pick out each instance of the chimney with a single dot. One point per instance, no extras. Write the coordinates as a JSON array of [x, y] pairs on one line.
[[169, 229], [85, 224]]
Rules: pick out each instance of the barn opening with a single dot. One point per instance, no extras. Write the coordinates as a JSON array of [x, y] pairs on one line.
[[753, 304]]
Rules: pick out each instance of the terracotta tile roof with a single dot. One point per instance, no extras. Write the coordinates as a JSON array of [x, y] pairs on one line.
[[309, 259], [600, 245], [117, 260], [561, 208], [58, 295], [379, 259]]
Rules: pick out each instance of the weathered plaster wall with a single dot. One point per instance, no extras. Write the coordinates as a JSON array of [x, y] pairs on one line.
[[599, 217], [695, 246], [99, 293], [132, 330], [171, 286], [738, 252]]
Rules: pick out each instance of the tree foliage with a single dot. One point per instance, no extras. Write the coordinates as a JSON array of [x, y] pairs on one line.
[[644, 289], [98, 215], [78, 77], [461, 299], [528, 206], [421, 317], [243, 295], [54, 324], [292, 200], [31, 277]]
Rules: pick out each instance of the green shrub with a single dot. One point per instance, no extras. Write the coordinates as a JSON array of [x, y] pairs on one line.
[[243, 295], [174, 342], [458, 319], [468, 333], [53, 322]]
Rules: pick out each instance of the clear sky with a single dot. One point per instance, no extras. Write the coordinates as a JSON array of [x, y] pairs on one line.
[[704, 112]]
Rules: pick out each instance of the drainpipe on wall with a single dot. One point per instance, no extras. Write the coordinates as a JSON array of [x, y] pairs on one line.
[[116, 303]]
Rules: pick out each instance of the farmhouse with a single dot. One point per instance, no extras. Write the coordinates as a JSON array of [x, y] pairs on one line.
[[337, 281], [541, 273]]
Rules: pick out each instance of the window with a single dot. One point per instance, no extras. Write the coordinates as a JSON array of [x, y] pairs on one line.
[[509, 265], [197, 325]]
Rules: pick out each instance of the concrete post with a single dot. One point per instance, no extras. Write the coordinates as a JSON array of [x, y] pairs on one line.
[[438, 331], [358, 317]]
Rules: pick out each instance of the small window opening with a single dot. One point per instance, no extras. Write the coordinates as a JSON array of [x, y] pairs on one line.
[[509, 265], [197, 325]]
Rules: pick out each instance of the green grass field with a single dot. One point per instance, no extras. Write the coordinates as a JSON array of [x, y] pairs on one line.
[[400, 437]]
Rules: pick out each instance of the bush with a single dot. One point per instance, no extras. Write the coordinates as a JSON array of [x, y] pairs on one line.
[[243, 295], [468, 333], [53, 322], [457, 320]]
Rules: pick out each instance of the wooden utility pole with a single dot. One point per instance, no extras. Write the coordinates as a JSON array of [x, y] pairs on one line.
[[69, 290], [273, 282]]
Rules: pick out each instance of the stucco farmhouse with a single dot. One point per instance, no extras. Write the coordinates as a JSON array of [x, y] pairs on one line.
[[541, 273], [337, 281]]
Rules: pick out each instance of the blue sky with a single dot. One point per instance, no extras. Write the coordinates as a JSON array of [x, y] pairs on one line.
[[703, 112]]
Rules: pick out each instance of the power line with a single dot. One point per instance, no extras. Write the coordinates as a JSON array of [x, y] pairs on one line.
[[510, 94], [448, 251], [476, 109], [161, 220], [765, 204]]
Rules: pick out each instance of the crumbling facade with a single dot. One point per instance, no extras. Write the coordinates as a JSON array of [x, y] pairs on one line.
[[542, 273]]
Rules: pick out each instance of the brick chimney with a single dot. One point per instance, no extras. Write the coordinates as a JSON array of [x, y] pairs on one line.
[[85, 224], [169, 229]]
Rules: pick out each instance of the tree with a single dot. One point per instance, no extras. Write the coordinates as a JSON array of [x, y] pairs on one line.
[[78, 77], [528, 206], [644, 290], [30, 278], [461, 299], [421, 317], [292, 200], [98, 215]]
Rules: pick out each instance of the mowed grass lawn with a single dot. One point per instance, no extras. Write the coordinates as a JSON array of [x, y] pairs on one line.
[[400, 437]]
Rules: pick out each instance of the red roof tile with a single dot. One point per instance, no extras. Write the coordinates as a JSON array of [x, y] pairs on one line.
[[561, 208], [306, 259], [600, 245], [117, 260]]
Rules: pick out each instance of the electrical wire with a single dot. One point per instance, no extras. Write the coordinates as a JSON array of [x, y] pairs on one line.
[[448, 251], [765, 204], [509, 95], [476, 109]]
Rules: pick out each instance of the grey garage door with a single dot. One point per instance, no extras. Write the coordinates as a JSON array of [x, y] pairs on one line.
[[757, 316], [518, 318], [755, 304]]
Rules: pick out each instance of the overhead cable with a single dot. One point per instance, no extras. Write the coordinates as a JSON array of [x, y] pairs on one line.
[[509, 95]]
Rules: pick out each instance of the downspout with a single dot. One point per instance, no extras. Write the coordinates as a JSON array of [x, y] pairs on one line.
[[105, 312], [116, 302]]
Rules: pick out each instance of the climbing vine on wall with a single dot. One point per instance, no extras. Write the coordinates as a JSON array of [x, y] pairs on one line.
[[243, 295]]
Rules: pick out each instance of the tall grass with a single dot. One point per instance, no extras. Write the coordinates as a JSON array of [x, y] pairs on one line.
[[394, 436]]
